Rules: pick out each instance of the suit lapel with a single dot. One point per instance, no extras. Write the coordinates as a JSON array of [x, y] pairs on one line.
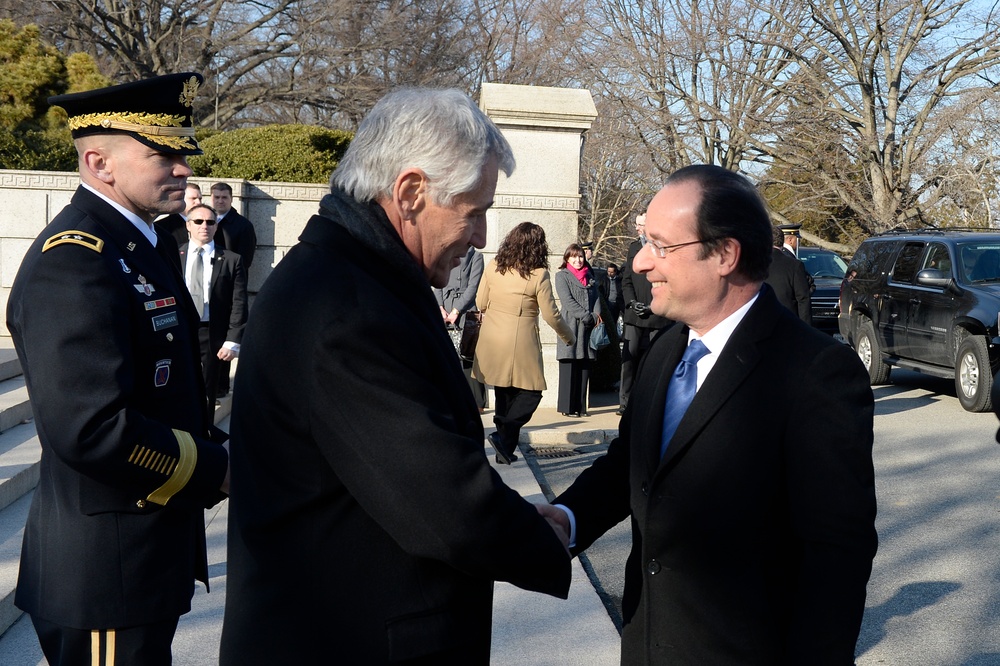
[[217, 262], [738, 359]]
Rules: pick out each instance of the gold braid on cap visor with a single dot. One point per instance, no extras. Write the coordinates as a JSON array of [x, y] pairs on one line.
[[160, 128]]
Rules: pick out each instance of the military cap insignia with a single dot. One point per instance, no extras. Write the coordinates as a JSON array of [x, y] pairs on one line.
[[188, 91], [74, 238]]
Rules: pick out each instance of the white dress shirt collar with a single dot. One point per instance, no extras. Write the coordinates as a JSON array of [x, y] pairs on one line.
[[144, 227]]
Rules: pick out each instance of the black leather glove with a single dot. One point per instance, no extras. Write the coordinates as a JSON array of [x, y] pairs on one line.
[[641, 309]]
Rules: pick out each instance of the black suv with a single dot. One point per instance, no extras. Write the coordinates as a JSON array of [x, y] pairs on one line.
[[927, 300], [827, 269]]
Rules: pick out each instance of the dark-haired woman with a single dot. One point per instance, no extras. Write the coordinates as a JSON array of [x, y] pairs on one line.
[[581, 308], [514, 290]]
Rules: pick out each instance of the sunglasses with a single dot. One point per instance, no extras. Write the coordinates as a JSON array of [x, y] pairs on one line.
[[208, 222]]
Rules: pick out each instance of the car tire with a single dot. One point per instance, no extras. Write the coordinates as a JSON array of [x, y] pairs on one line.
[[870, 352], [973, 376]]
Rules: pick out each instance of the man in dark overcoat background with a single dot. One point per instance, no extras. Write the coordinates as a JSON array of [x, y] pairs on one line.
[[360, 466], [752, 511], [108, 340]]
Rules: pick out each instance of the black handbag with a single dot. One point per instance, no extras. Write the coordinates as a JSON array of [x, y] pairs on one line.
[[470, 335]]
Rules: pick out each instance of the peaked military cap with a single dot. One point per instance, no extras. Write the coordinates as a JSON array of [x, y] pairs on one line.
[[790, 229], [155, 112]]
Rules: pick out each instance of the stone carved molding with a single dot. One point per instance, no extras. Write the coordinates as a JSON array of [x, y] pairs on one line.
[[537, 202], [39, 180], [285, 191]]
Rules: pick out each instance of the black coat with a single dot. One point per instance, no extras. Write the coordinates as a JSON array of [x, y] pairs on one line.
[[753, 537], [366, 524], [790, 281], [107, 339], [635, 287], [236, 233]]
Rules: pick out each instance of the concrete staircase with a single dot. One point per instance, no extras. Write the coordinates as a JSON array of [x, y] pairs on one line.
[[19, 461]]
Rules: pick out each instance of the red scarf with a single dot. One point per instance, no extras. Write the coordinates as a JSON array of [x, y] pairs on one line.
[[581, 274]]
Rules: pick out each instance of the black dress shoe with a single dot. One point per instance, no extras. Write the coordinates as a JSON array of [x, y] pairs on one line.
[[584, 413], [501, 457], [620, 412]]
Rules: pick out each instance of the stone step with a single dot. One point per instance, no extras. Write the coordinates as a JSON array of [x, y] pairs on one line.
[[9, 365], [20, 451], [14, 406], [12, 521]]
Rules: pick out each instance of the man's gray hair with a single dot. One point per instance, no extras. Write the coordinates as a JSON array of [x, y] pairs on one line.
[[441, 132]]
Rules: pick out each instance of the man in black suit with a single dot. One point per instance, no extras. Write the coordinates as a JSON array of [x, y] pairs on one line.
[[236, 233], [108, 340], [752, 511], [789, 279], [640, 323], [218, 286], [361, 466]]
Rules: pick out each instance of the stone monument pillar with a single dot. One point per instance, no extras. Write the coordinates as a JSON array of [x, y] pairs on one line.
[[545, 127]]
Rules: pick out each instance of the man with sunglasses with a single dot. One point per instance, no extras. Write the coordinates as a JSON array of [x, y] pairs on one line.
[[217, 282], [744, 458]]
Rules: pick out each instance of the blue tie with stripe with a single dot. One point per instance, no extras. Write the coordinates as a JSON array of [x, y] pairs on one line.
[[680, 392]]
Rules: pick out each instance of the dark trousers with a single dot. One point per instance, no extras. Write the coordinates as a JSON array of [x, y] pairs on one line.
[[209, 367], [147, 644], [513, 409], [225, 369], [635, 343], [478, 388], [574, 376]]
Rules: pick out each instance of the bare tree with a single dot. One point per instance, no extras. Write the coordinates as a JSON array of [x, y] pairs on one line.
[[887, 77]]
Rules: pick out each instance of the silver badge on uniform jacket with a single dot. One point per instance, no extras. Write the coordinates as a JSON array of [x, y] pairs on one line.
[[144, 287], [125, 269]]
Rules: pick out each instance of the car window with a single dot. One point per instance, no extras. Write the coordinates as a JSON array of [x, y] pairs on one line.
[[870, 259], [937, 257], [980, 262], [822, 264], [907, 263]]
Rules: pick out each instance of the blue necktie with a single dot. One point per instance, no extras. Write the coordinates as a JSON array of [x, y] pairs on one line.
[[681, 390]]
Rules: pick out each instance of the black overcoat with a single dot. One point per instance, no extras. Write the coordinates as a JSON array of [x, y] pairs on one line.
[[366, 525], [107, 338], [753, 537]]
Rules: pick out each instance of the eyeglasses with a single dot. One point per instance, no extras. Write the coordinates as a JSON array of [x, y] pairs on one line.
[[208, 222], [662, 251]]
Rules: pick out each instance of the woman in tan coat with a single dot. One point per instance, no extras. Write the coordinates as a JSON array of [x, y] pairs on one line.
[[514, 290]]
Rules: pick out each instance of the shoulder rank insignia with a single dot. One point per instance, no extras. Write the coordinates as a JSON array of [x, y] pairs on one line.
[[76, 238]]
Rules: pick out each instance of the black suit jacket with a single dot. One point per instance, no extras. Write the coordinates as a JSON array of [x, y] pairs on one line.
[[790, 281], [361, 468], [236, 233], [753, 537], [227, 298], [107, 338], [175, 225], [635, 287]]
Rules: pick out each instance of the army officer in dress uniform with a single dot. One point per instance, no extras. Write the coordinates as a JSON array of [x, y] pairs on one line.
[[107, 336]]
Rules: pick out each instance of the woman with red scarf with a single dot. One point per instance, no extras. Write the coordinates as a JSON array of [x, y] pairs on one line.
[[581, 309]]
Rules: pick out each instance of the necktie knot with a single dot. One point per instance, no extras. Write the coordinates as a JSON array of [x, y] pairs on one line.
[[680, 392]]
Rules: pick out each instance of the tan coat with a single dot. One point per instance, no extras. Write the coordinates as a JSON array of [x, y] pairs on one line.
[[509, 351]]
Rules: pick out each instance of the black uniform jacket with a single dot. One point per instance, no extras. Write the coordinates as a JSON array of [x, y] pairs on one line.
[[227, 297], [366, 525], [106, 335], [753, 537], [790, 281]]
